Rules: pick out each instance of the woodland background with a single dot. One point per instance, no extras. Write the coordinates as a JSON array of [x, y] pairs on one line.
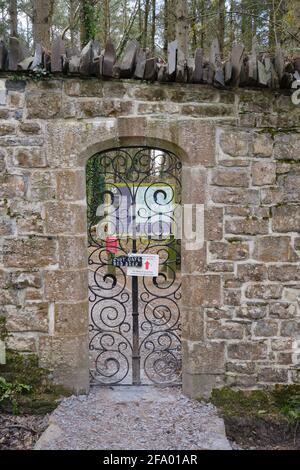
[[153, 23]]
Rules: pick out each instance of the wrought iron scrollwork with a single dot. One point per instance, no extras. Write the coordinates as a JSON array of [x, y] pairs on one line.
[[114, 297]]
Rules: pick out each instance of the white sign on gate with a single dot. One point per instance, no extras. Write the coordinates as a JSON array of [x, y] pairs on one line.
[[149, 268]]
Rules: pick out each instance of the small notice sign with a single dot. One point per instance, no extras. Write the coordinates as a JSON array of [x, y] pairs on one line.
[[149, 267]]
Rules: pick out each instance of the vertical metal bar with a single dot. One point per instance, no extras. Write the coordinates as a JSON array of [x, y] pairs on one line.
[[136, 358]]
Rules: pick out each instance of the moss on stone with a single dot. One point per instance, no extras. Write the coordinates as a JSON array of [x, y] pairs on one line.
[[3, 330], [42, 395], [278, 130], [281, 403]]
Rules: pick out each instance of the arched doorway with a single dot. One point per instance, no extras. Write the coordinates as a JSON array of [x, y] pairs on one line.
[[135, 335]]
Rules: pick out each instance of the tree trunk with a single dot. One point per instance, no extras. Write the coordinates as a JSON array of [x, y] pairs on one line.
[[166, 19], [194, 23], [146, 18], [86, 21], [231, 24], [182, 32], [221, 25], [106, 14], [202, 13], [125, 15], [42, 21], [153, 27], [72, 10], [171, 20], [140, 18], [13, 18]]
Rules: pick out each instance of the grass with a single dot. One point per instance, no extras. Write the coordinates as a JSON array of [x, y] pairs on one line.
[[280, 403]]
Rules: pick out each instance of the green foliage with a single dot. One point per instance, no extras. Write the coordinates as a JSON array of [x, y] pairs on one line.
[[27, 388], [95, 188], [281, 403], [3, 330], [9, 392], [287, 398]]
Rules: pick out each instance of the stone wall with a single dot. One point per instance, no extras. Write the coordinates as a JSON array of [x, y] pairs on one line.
[[240, 152]]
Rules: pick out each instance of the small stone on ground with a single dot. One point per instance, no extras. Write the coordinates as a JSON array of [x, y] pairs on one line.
[[134, 418]]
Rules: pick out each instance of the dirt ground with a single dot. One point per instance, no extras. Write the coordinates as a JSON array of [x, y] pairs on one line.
[[21, 432]]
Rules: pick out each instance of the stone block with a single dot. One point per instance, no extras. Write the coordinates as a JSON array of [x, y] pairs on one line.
[[213, 223], [7, 128], [263, 173], [5, 279], [290, 329], [24, 279], [286, 218], [193, 261], [29, 253], [283, 310], [273, 375], [272, 196], [247, 226], [235, 196], [193, 185], [200, 385], [224, 330], [264, 291], [73, 253], [284, 273], [20, 343], [284, 358], [273, 249], [235, 143], [251, 272], [287, 146], [247, 368], [247, 351], [266, 328], [7, 226], [201, 290], [234, 251], [71, 319], [11, 186], [71, 185], [31, 317], [64, 286], [204, 357], [30, 158], [64, 218], [241, 381], [30, 127], [262, 145], [43, 105], [218, 313], [281, 344], [252, 311], [230, 177], [68, 357], [42, 185], [192, 321], [232, 297], [207, 110], [198, 141]]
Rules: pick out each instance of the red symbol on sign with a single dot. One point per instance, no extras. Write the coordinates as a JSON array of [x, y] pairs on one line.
[[147, 265]]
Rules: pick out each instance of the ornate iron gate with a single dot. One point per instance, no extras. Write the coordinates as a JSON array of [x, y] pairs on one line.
[[134, 321]]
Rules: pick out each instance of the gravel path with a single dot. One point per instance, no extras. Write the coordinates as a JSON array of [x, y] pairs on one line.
[[134, 418]]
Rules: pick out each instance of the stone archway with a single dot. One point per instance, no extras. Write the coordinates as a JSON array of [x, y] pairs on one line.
[[193, 192]]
